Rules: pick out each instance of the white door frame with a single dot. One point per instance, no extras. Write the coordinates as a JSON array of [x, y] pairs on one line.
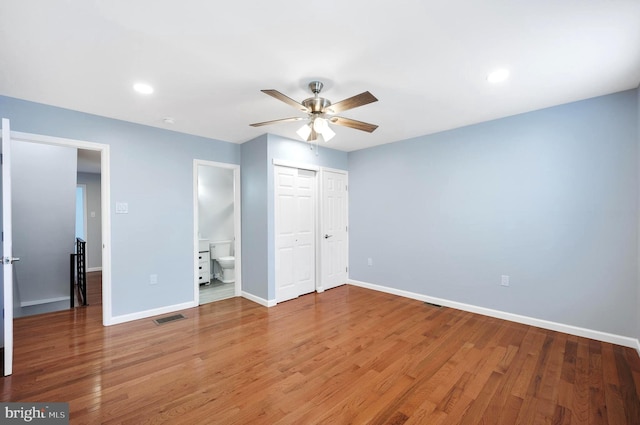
[[237, 225], [105, 201], [319, 205]]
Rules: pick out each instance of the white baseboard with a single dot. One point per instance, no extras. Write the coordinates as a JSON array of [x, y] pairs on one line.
[[255, 299], [44, 301], [94, 269], [150, 313], [540, 323]]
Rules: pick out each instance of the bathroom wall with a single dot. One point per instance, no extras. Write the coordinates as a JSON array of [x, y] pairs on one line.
[[215, 203]]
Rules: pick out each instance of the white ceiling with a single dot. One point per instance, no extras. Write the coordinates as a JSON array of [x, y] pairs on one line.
[[426, 61]]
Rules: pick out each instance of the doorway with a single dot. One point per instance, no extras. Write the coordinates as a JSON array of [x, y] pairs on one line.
[[9, 138], [217, 233]]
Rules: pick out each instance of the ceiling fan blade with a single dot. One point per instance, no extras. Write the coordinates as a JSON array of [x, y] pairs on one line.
[[358, 125], [260, 124], [352, 102], [285, 99]]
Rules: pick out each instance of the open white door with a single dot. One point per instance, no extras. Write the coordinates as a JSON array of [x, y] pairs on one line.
[[334, 229], [7, 249]]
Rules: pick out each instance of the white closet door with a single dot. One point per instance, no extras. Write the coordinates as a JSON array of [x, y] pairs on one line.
[[294, 232], [334, 229]]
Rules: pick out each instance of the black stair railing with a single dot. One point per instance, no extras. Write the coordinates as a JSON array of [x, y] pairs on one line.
[[78, 274]]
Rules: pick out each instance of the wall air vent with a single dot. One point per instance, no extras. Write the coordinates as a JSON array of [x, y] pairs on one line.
[[168, 319]]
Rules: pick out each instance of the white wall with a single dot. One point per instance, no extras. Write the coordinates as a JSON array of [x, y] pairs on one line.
[[215, 203], [94, 227], [549, 198], [43, 188]]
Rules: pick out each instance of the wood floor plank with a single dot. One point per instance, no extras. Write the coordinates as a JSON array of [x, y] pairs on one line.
[[348, 355]]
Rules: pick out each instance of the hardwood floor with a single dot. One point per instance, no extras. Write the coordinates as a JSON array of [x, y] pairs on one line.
[[349, 355]]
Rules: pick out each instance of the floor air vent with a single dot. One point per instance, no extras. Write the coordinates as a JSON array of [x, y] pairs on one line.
[[433, 305], [168, 319]]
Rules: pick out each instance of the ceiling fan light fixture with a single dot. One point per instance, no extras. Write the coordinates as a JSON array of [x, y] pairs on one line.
[[319, 124], [304, 131], [327, 133]]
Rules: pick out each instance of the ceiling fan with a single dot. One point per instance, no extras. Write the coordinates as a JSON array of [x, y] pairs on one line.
[[321, 112]]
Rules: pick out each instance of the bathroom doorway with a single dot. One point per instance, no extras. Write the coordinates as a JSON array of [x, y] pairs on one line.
[[217, 231]]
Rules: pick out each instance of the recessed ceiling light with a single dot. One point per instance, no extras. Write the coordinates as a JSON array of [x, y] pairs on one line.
[[498, 76], [143, 88], [168, 120]]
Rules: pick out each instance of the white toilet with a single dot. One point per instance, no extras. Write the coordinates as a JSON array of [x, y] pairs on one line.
[[220, 253]]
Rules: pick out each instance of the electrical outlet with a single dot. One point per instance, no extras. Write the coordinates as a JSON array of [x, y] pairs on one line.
[[153, 279], [369, 262], [504, 280]]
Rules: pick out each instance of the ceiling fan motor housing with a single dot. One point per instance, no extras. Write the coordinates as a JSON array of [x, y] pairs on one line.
[[316, 105]]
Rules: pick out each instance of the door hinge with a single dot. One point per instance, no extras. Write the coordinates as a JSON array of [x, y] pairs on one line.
[[346, 269], [346, 228], [346, 187]]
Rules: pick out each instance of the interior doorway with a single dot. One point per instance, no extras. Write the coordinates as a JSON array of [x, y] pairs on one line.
[[10, 139], [217, 233], [97, 224]]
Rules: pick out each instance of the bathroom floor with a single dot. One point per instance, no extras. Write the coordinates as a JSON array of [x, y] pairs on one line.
[[216, 291]]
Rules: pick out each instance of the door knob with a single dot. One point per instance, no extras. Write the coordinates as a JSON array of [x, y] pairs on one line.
[[327, 236], [9, 260]]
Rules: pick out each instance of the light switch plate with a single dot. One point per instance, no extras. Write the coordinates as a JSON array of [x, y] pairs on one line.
[[122, 208]]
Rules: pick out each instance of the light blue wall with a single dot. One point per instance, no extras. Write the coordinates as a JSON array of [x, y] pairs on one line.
[[151, 170], [549, 198], [253, 177], [94, 224], [258, 246]]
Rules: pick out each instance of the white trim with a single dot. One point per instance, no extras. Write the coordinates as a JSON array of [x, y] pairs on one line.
[[105, 203], [258, 300], [237, 224], [294, 164], [540, 323], [44, 301], [94, 269], [150, 313], [335, 170]]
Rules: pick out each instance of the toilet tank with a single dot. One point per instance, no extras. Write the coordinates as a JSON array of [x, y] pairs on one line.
[[220, 249]]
